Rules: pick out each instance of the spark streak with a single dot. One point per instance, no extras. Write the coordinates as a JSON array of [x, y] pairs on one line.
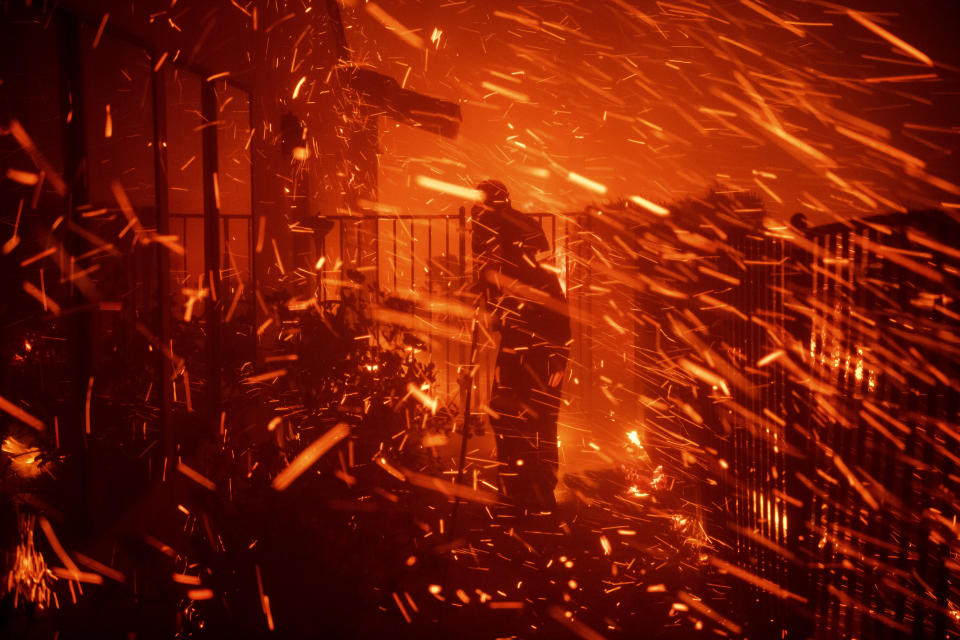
[[889, 37], [450, 189], [587, 183], [394, 25], [310, 455], [21, 415]]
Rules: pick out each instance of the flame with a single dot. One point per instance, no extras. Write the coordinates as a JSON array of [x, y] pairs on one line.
[[29, 577], [23, 459]]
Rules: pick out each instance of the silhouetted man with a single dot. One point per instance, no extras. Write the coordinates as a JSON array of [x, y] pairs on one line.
[[530, 312]]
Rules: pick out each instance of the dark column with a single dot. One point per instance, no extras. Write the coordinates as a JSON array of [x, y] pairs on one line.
[[211, 252], [800, 470], [79, 325], [167, 434]]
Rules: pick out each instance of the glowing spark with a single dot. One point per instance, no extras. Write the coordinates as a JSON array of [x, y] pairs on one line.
[[638, 15], [719, 275], [607, 549], [160, 61], [86, 405], [108, 126], [907, 78], [704, 374], [516, 96], [587, 183], [196, 476], [394, 25], [121, 196], [26, 143], [740, 44], [269, 375], [79, 576], [20, 414], [427, 401], [855, 483], [23, 177], [652, 207], [882, 147], [889, 37], [182, 578], [58, 548], [451, 189], [103, 24], [234, 302], [699, 606], [42, 298], [773, 18], [403, 611], [755, 580], [770, 192], [392, 470], [296, 90], [770, 357], [434, 483], [100, 568], [264, 600], [575, 626], [310, 455]]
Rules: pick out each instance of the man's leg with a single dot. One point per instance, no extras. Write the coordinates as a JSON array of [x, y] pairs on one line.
[[526, 397], [547, 367], [545, 473], [516, 446]]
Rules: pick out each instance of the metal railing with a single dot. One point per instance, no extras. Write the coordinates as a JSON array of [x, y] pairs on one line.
[[427, 258], [885, 289]]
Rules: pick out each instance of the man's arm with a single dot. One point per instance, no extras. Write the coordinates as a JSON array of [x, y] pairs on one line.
[[486, 265]]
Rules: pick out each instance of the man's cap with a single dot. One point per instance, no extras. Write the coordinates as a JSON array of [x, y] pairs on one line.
[[495, 192]]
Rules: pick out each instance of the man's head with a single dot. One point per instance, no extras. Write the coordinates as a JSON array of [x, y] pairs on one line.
[[495, 194], [510, 227]]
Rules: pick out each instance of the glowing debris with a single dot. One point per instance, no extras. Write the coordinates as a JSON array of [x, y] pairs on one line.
[[296, 89], [311, 454], [394, 25], [516, 96], [21, 415], [450, 189], [652, 207], [23, 177], [196, 476], [889, 37], [587, 183]]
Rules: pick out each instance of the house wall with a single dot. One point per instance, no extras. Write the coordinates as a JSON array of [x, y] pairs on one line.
[[177, 108]]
